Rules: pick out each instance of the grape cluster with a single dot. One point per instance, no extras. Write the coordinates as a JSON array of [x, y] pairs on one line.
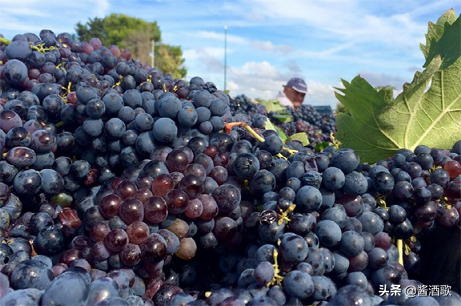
[[242, 107], [118, 186], [307, 120]]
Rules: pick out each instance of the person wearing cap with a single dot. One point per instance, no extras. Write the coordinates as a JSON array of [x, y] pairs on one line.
[[293, 93]]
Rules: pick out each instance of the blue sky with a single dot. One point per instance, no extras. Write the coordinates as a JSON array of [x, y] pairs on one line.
[[268, 41]]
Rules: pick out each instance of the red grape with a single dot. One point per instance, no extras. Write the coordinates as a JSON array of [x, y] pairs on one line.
[[131, 210], [177, 201], [110, 205], [137, 232], [156, 210], [116, 240], [162, 184]]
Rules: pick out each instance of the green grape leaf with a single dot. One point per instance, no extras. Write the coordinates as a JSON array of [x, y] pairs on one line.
[[270, 126], [279, 111], [376, 129], [436, 30], [301, 137], [282, 134], [319, 147], [448, 46], [273, 106], [283, 117], [427, 112]]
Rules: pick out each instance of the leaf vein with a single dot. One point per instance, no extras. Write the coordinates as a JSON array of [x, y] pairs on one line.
[[436, 121]]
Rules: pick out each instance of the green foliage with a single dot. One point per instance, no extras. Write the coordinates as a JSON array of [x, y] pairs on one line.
[[436, 30], [115, 28], [280, 111], [272, 105], [448, 46], [169, 58], [136, 35], [270, 126], [319, 147], [93, 28], [301, 137], [377, 127]]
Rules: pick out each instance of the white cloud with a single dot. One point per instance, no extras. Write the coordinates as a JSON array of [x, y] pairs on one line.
[[257, 69], [349, 21], [56, 15], [256, 80], [192, 54], [207, 58], [269, 46], [232, 86], [320, 94]]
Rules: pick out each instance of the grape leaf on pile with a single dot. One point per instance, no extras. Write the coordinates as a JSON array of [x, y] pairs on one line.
[[270, 126], [377, 128], [273, 106], [280, 111], [301, 137]]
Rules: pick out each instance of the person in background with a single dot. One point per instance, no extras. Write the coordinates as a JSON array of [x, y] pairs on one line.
[[293, 93]]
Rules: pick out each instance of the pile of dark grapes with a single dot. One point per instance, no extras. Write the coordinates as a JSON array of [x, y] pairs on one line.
[[242, 107], [118, 186], [305, 119]]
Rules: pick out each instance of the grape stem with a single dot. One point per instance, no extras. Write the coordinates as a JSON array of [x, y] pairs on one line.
[[41, 48], [277, 279], [120, 78], [445, 202], [400, 249], [335, 142], [61, 66], [382, 203], [283, 216], [228, 126], [291, 151], [33, 253], [5, 41], [279, 155], [67, 90]]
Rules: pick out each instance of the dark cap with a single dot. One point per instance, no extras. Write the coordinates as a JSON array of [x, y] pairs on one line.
[[298, 84]]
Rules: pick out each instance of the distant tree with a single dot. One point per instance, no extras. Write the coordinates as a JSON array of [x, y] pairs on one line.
[[136, 35], [170, 59], [139, 43], [93, 28]]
